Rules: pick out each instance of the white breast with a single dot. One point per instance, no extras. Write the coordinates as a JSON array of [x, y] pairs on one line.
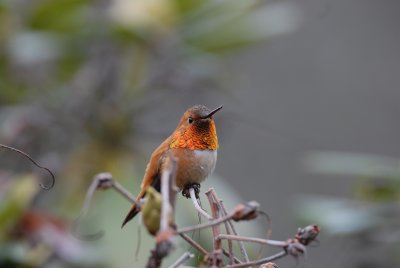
[[207, 160]]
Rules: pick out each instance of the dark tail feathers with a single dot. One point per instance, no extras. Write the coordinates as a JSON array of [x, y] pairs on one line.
[[132, 213]]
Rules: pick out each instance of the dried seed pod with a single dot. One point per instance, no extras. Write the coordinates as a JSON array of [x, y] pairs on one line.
[[246, 211], [307, 234], [269, 265]]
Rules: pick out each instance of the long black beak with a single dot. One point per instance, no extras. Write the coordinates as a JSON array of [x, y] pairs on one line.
[[212, 112]]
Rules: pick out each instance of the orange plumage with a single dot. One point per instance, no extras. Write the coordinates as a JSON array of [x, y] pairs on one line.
[[194, 144]]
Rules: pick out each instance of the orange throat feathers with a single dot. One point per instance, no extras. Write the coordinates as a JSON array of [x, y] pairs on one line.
[[196, 137]]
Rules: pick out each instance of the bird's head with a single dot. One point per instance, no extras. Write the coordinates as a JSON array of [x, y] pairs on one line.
[[196, 130]]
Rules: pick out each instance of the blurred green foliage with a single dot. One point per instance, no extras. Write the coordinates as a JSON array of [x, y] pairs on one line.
[[75, 76]]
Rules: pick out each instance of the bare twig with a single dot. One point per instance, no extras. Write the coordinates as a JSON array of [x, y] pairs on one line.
[[215, 228], [164, 236], [182, 259], [241, 212], [204, 225], [53, 179], [194, 243], [228, 254], [228, 231], [260, 261], [215, 213], [275, 243], [120, 189], [101, 181], [230, 245], [295, 246], [166, 177], [196, 204], [241, 245]]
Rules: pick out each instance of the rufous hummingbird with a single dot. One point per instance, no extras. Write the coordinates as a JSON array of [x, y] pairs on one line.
[[194, 144]]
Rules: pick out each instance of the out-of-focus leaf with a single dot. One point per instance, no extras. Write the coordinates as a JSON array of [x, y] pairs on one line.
[[4, 20], [17, 200], [129, 36], [186, 7], [376, 190], [12, 254], [337, 216], [45, 236], [144, 15], [62, 15], [219, 26]]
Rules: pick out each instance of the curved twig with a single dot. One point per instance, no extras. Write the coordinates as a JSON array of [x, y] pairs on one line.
[[104, 181], [85, 208], [269, 222], [196, 204], [53, 179]]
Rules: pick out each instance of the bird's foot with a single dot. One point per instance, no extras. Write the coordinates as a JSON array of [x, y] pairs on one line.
[[186, 190]]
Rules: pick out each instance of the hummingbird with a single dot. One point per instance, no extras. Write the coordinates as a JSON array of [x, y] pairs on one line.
[[194, 144]]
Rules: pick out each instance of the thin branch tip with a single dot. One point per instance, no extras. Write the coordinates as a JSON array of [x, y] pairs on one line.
[[53, 178]]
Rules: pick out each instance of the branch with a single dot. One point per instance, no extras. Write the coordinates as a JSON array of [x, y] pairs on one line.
[[204, 225], [53, 179], [182, 259], [164, 236], [196, 204], [241, 212], [228, 254], [260, 261], [216, 254], [102, 181], [167, 183], [295, 246], [241, 245], [194, 243], [274, 243], [228, 231]]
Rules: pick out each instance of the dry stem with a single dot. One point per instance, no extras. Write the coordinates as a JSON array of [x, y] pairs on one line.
[[260, 261], [182, 259], [241, 245], [295, 246], [196, 204], [270, 242]]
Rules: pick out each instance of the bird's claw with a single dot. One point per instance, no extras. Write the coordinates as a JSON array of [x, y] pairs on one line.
[[186, 190]]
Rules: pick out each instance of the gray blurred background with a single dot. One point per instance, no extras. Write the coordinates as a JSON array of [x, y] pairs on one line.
[[331, 85], [309, 127]]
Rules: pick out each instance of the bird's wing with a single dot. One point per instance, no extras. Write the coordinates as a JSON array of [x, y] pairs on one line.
[[153, 167], [151, 177]]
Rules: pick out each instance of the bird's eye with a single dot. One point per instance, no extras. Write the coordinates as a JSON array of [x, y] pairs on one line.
[[190, 120]]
